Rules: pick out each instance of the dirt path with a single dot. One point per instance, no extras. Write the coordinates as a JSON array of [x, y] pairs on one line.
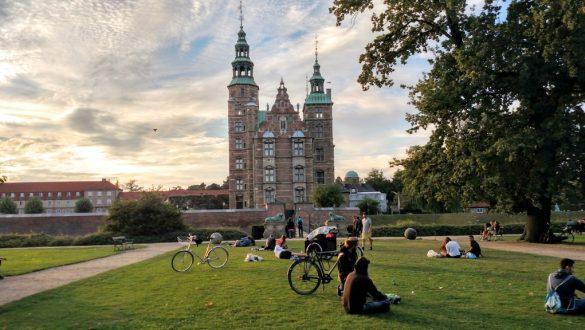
[[17, 287]]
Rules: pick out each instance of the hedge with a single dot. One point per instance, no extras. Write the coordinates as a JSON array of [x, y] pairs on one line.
[[448, 230], [105, 238]]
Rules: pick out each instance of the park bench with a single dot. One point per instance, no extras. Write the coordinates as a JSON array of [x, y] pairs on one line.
[[1, 258], [122, 243]]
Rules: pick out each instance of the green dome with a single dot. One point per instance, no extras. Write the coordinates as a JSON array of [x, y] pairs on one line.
[[351, 174]]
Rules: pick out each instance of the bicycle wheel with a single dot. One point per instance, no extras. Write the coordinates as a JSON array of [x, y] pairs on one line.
[[182, 261], [304, 276], [313, 249], [217, 257]]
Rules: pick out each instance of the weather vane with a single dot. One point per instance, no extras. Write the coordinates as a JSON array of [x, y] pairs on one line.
[[241, 15], [316, 47]]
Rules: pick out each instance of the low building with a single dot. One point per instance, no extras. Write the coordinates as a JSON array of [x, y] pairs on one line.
[[60, 197], [478, 207], [355, 193]]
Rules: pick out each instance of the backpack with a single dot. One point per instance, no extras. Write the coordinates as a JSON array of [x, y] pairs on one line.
[[552, 302]]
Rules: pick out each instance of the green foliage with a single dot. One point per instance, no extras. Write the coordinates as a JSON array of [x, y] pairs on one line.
[[149, 215], [34, 206], [369, 206], [132, 186], [205, 202], [327, 196], [8, 206], [504, 99], [83, 205]]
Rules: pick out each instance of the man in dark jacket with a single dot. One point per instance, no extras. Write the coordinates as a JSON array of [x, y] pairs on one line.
[[475, 248], [570, 303], [357, 287]]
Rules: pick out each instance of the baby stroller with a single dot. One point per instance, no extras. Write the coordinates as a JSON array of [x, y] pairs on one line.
[[322, 240]]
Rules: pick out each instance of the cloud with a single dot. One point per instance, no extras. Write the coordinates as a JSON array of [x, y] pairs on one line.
[[83, 84]]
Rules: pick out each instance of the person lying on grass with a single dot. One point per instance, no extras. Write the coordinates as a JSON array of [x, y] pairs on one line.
[[281, 249]]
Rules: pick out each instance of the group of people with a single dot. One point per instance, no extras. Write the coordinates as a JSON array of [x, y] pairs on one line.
[[290, 227], [362, 228], [490, 229], [451, 249]]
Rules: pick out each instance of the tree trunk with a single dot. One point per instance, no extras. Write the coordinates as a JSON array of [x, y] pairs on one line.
[[537, 227]]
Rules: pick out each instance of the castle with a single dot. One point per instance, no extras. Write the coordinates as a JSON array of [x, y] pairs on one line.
[[276, 156]]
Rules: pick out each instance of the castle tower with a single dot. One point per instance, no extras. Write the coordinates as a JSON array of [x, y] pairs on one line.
[[318, 117], [242, 113]]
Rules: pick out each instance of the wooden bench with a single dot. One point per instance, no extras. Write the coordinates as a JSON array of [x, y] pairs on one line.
[[1, 258], [122, 243]]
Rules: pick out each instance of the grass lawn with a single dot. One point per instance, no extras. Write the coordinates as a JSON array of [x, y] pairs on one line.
[[26, 260], [502, 291]]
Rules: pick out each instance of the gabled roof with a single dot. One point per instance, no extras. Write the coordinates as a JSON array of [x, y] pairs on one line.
[[362, 187], [33, 187]]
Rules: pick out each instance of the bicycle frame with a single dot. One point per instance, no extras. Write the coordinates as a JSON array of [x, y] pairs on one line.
[[205, 255]]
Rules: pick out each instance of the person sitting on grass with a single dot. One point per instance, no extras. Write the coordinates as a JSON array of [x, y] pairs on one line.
[[450, 248], [443, 249], [475, 248], [270, 243], [346, 260], [565, 283], [358, 286]]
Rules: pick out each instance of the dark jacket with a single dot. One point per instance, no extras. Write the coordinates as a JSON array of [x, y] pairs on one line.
[[357, 287], [475, 249], [567, 290], [347, 259]]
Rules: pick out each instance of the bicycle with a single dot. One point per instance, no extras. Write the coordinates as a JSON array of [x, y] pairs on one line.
[[307, 272], [215, 256]]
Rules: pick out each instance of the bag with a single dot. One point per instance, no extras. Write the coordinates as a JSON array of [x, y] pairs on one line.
[[552, 301], [433, 254], [470, 255]]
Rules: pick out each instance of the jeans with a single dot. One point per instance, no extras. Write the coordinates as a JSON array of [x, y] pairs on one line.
[[378, 306], [578, 309]]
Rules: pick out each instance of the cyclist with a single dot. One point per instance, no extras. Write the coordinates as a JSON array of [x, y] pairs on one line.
[[346, 261], [357, 287]]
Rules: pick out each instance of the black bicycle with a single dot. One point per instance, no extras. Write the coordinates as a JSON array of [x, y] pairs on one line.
[[308, 272]]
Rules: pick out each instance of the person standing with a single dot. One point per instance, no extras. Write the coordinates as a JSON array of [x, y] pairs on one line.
[[358, 286], [300, 226], [290, 228], [357, 226], [565, 283], [367, 231]]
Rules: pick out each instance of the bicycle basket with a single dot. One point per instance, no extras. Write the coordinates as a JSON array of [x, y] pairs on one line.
[[215, 238]]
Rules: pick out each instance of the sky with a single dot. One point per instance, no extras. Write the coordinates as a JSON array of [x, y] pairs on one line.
[[84, 83]]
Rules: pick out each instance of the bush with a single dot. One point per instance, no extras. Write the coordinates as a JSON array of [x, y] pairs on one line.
[[447, 230], [34, 206], [83, 205], [8, 206], [148, 216]]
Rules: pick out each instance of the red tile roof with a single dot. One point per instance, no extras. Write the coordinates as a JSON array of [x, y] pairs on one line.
[[32, 187]]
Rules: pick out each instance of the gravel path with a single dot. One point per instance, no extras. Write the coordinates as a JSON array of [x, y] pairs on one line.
[[17, 287]]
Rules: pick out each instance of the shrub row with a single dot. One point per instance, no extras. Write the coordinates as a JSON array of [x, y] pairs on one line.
[[448, 230], [105, 238]]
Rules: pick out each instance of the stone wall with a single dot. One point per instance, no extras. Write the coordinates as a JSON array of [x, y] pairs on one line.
[[243, 219]]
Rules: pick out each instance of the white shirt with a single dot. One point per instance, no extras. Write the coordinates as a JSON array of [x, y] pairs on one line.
[[277, 250], [366, 225], [453, 248]]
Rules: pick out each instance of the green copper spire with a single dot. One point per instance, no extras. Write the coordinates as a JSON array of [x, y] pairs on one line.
[[317, 95], [242, 65]]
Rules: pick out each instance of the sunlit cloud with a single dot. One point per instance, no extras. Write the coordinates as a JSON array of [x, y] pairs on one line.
[[137, 90]]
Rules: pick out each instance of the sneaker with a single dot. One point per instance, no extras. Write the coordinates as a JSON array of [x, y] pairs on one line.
[[339, 291]]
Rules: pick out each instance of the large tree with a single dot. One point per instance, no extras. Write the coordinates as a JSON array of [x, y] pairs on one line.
[[327, 195], [503, 99]]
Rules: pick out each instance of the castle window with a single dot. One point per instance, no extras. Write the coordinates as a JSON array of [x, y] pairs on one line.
[[299, 195], [239, 126], [269, 195], [299, 174], [283, 124], [268, 148], [319, 131], [320, 177], [242, 89], [239, 143], [319, 154], [239, 164], [239, 184], [269, 174], [319, 114], [298, 148]]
